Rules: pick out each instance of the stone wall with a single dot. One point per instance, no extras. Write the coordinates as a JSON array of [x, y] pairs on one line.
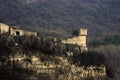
[[4, 28], [79, 40], [15, 31], [28, 33]]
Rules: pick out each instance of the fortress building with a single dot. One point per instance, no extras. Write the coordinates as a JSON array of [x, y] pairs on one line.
[[15, 31], [78, 38], [4, 28]]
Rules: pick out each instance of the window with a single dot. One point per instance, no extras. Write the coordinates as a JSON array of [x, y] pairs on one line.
[[17, 33]]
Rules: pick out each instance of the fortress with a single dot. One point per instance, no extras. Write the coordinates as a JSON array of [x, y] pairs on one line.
[[59, 66], [78, 38], [15, 31]]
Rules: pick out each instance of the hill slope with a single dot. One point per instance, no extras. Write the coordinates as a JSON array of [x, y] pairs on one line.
[[101, 17]]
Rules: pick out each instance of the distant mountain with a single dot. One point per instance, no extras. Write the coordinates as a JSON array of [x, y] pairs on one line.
[[60, 17]]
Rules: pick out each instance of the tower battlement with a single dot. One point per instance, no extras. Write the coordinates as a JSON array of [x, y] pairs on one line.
[[83, 32]]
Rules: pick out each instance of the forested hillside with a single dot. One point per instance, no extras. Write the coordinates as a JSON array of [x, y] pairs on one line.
[[60, 17], [113, 39]]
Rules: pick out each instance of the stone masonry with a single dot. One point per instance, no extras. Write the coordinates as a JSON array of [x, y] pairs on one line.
[[78, 38], [15, 31]]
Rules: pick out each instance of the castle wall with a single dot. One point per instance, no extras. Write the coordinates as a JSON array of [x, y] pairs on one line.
[[4, 28], [15, 31], [80, 40], [33, 33], [28, 33]]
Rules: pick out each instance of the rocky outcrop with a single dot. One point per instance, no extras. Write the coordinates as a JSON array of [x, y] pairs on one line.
[[58, 66]]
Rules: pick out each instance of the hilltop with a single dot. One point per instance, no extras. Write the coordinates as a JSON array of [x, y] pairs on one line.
[[35, 58], [60, 17]]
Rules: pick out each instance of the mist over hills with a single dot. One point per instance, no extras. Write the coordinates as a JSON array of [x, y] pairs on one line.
[[60, 17]]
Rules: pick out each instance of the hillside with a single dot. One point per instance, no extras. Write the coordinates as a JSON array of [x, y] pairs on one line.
[[36, 58], [33, 57], [60, 17]]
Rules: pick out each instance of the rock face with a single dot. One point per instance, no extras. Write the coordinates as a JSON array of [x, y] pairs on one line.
[[58, 66]]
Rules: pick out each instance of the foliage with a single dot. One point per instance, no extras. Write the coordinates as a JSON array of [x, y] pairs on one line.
[[115, 39], [10, 72], [112, 55], [57, 16], [47, 45], [89, 58]]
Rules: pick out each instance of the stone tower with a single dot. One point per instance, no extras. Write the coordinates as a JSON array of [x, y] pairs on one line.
[[82, 37], [78, 38]]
